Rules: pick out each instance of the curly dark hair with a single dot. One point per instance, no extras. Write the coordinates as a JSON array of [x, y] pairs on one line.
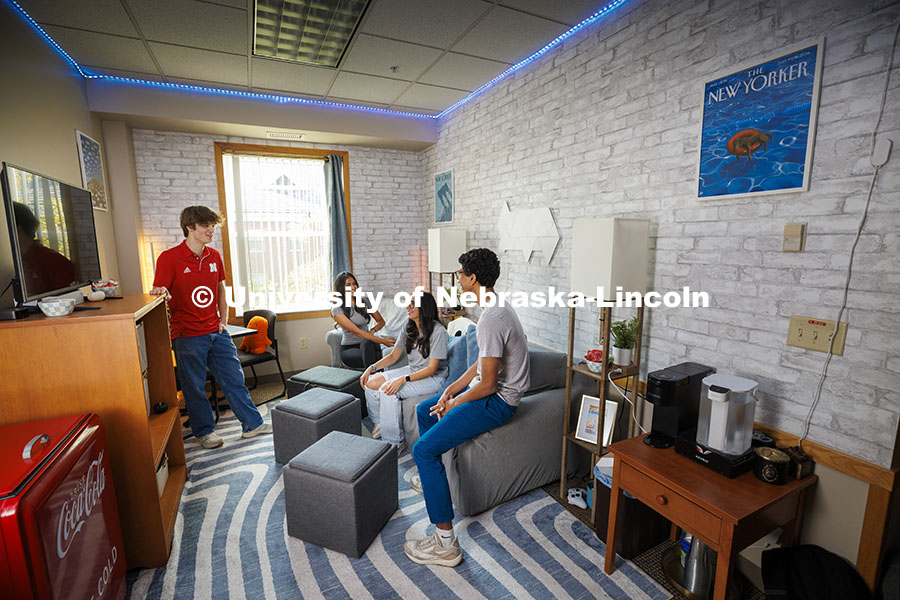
[[339, 284], [428, 318], [482, 263]]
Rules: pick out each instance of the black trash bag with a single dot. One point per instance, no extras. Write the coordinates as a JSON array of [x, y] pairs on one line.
[[810, 572]]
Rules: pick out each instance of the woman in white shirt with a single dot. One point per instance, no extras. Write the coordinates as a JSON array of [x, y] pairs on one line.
[[424, 341], [360, 347]]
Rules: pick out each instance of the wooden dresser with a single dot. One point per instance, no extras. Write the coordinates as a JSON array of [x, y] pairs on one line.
[[90, 361]]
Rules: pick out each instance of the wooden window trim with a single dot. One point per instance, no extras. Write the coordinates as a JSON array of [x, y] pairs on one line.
[[222, 148]]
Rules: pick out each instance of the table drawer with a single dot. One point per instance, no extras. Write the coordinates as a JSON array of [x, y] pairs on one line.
[[670, 503]]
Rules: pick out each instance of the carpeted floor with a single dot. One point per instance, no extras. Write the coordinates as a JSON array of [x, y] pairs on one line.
[[230, 542]]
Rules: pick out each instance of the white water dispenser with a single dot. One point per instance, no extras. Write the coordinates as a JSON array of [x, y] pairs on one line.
[[727, 410]]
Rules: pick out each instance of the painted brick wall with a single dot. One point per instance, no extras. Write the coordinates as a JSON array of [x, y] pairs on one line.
[[175, 170], [607, 125]]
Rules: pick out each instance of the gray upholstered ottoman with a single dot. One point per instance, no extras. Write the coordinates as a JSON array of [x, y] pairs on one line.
[[332, 378], [340, 492], [301, 421]]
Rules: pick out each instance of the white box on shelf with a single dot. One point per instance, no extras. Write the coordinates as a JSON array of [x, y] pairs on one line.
[[162, 474]]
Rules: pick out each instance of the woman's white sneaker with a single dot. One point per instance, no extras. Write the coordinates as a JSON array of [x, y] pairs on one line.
[[429, 551]]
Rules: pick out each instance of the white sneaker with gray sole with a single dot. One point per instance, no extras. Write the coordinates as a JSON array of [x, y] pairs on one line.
[[210, 440], [429, 551], [263, 429]]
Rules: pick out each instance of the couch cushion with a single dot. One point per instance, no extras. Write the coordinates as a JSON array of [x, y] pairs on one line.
[[471, 346], [456, 359], [547, 369]]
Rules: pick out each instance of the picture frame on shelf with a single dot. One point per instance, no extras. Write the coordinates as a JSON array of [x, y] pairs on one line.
[[90, 157], [589, 420]]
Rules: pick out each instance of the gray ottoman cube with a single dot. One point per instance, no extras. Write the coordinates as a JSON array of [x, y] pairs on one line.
[[341, 491], [299, 422], [332, 378]]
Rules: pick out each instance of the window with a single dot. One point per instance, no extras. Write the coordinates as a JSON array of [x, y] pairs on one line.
[[278, 227]]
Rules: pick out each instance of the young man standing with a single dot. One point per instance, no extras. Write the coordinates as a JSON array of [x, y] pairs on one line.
[[192, 276], [484, 397]]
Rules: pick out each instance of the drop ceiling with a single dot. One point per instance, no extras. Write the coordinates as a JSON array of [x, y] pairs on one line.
[[420, 56]]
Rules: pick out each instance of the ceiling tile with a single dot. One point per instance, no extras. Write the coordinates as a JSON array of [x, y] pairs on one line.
[[204, 65], [105, 16], [375, 56], [291, 76], [100, 49], [126, 74], [366, 88], [421, 111], [570, 11], [430, 22], [192, 23], [508, 35], [463, 72], [430, 97]]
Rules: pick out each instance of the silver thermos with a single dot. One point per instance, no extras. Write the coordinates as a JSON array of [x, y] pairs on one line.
[[699, 569]]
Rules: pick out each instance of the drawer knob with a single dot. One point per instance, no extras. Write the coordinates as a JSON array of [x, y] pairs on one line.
[[662, 500]]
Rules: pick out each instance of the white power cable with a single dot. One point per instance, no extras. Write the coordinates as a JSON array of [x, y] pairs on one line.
[[627, 399], [862, 223]]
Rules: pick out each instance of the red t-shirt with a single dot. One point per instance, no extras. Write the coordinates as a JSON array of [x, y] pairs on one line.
[[46, 270], [193, 282]]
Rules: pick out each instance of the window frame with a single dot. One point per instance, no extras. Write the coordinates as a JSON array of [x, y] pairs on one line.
[[222, 148]]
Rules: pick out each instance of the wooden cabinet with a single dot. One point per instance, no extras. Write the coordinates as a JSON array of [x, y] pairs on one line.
[[597, 449], [90, 361]]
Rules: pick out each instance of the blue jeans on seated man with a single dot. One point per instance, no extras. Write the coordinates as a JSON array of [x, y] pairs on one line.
[[215, 351], [460, 424]]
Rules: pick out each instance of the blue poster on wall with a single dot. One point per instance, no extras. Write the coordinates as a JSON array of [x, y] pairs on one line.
[[758, 127]]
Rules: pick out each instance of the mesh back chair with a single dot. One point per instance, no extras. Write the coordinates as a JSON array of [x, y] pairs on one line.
[[271, 353]]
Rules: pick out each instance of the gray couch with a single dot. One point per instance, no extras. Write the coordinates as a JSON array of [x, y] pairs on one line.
[[520, 456]]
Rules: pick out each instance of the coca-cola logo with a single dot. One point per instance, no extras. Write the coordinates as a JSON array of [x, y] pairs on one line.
[[82, 501]]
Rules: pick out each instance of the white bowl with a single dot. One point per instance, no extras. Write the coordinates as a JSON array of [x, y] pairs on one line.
[[57, 307]]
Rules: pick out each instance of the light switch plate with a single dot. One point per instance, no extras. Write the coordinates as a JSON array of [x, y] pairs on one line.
[[813, 334], [794, 237]]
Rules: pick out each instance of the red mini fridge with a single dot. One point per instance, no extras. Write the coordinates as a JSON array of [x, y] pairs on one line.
[[59, 526]]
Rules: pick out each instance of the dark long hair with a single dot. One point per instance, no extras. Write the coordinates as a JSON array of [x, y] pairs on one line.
[[428, 317], [340, 283]]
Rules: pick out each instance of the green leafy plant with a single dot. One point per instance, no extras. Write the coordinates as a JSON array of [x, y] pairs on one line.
[[624, 333]]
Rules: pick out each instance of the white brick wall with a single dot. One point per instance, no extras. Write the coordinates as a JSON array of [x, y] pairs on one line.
[[607, 125], [175, 170]]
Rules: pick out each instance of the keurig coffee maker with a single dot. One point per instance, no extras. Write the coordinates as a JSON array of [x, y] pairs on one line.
[[674, 393]]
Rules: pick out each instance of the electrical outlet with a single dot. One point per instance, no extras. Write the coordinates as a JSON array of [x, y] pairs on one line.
[[303, 343], [814, 334]]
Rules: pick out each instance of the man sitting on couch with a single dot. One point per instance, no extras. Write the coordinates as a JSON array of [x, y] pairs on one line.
[[483, 398]]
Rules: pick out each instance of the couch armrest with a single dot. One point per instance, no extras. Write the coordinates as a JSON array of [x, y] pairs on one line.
[[333, 338]]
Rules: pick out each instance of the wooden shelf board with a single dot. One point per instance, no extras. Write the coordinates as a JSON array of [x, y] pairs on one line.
[[160, 429], [170, 500], [626, 372], [592, 448]]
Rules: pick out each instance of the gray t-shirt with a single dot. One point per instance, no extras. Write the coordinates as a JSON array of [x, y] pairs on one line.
[[500, 335], [357, 319], [438, 350]]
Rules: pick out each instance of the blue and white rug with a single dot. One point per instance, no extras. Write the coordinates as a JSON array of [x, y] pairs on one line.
[[231, 542]]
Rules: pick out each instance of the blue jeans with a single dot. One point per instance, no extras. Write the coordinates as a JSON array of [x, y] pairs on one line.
[[461, 424], [217, 352]]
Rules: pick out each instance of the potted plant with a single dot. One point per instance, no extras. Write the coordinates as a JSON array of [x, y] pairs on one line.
[[624, 338]]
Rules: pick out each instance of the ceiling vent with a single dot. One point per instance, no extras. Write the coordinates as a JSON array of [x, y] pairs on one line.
[[308, 31], [284, 135]]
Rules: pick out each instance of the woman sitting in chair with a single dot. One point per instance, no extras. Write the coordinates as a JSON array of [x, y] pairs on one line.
[[424, 340], [360, 347]]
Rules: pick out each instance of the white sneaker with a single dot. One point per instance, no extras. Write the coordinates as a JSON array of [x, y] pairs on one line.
[[376, 431], [428, 551], [210, 440], [400, 446], [263, 429], [415, 482]]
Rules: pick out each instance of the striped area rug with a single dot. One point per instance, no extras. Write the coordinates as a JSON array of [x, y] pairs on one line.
[[231, 542]]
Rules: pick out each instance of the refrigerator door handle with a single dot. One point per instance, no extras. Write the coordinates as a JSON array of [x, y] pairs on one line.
[[41, 440]]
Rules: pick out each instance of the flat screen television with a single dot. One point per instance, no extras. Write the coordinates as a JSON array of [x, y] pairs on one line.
[[51, 233]]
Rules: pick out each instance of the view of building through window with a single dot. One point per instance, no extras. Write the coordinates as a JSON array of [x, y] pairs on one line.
[[278, 231]]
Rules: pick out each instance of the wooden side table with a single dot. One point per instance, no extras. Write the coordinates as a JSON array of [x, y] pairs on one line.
[[726, 514]]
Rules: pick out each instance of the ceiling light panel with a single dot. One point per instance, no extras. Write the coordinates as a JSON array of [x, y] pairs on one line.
[[309, 31]]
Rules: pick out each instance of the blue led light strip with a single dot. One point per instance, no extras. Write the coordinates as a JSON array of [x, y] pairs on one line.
[[306, 101], [589, 21]]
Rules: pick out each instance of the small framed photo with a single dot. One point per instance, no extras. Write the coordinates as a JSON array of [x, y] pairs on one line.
[[589, 420], [443, 197], [92, 170]]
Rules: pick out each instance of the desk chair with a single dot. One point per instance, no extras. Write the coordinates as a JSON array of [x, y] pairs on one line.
[[271, 353]]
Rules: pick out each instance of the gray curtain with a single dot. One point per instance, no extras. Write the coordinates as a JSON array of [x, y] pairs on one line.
[[334, 191]]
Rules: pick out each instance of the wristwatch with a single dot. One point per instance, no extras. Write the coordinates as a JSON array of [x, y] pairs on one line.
[[408, 379]]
